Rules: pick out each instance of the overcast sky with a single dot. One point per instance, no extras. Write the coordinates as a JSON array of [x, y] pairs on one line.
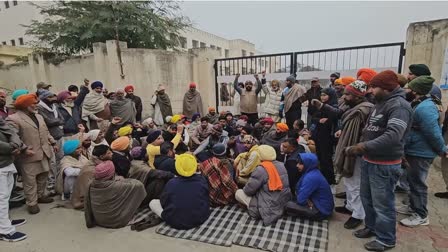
[[294, 26]]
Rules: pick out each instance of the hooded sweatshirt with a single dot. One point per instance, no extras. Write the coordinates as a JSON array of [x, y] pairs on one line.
[[313, 186]]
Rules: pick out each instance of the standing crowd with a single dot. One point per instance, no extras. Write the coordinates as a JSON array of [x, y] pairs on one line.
[[378, 132]]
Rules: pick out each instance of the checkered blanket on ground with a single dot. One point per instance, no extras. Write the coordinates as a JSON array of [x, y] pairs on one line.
[[140, 215], [219, 229], [288, 234]]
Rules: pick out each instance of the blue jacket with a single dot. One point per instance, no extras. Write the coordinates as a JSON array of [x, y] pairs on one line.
[[425, 139], [313, 186], [185, 202]]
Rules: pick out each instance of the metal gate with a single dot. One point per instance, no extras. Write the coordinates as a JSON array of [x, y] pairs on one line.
[[305, 65]]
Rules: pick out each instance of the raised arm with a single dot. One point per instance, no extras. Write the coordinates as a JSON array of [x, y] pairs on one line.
[[235, 84], [259, 86]]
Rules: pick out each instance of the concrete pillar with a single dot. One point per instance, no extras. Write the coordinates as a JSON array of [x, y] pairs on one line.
[[100, 54], [113, 62]]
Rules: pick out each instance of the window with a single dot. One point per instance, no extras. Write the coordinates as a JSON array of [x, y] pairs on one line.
[[14, 3], [4, 43], [251, 54], [183, 42], [20, 41], [212, 46], [243, 52], [6, 4], [13, 42], [226, 53], [195, 43], [203, 45]]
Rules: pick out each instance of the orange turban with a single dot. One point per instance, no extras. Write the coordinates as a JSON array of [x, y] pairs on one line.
[[120, 144], [25, 101], [283, 127], [129, 88], [345, 80], [366, 74]]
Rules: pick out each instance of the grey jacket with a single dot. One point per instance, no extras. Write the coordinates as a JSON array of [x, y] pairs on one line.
[[387, 126], [265, 204], [54, 125], [9, 141]]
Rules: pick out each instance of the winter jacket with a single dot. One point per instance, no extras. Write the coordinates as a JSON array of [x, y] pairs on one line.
[[70, 124], [165, 163], [54, 124], [386, 128], [312, 93], [314, 187], [185, 202], [265, 204], [425, 137], [271, 105], [9, 141]]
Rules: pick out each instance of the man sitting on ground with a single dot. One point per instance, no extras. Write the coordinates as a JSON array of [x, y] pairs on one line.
[[314, 198], [267, 191], [246, 162], [184, 203], [154, 141], [291, 149], [111, 202], [165, 161]]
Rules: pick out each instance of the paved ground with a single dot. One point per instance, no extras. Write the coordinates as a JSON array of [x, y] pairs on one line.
[[59, 229]]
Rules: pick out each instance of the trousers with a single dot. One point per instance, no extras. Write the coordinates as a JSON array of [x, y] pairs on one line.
[[156, 207], [6, 185], [352, 188]]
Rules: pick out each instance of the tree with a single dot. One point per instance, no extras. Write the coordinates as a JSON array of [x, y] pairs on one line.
[[73, 26]]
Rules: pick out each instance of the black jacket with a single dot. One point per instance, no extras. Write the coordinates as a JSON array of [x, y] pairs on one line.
[[165, 163]]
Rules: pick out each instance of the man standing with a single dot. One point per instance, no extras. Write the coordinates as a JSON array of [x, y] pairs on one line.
[[129, 89], [48, 110], [273, 94], [162, 105], [35, 164], [10, 146], [192, 101], [122, 107], [291, 104], [312, 93], [382, 149], [3, 109], [353, 121], [43, 85], [249, 98], [95, 107], [423, 144]]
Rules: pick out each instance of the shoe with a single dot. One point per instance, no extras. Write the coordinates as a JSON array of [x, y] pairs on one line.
[[33, 209], [442, 195], [399, 189], [14, 237], [16, 196], [376, 246], [406, 210], [352, 223], [342, 210], [18, 222], [364, 233], [341, 195], [414, 221], [45, 200]]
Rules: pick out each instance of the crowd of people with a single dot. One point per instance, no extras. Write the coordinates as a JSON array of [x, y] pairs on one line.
[[379, 132]]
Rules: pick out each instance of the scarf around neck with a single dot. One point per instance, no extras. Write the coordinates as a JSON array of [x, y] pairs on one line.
[[52, 109]]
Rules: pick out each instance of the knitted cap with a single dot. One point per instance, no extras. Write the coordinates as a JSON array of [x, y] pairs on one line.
[[358, 88], [421, 85], [387, 80], [419, 69]]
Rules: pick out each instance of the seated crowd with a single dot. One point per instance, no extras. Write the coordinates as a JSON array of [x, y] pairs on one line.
[[96, 152]]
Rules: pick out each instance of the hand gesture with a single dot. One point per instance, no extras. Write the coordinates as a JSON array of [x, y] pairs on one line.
[[180, 129], [81, 128], [138, 125], [116, 120], [86, 82], [338, 134], [323, 120], [15, 152], [29, 151], [99, 119], [56, 149], [316, 103]]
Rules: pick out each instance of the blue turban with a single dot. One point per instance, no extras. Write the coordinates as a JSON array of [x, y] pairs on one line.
[[195, 116], [18, 93], [70, 146], [96, 84]]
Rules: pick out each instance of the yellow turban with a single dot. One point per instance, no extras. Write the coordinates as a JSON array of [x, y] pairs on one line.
[[120, 144], [125, 131], [283, 127], [176, 118], [186, 165]]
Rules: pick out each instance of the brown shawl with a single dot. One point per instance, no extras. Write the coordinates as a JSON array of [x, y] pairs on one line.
[[124, 108], [113, 203], [68, 161], [165, 105], [81, 186], [192, 103], [353, 121], [294, 93]]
